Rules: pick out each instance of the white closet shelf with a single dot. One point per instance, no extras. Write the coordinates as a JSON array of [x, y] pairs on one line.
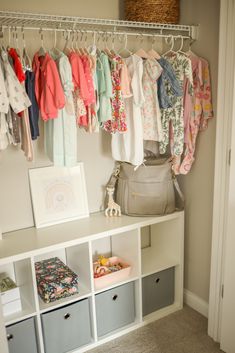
[[129, 279], [29, 242], [83, 293], [151, 262], [56, 22]]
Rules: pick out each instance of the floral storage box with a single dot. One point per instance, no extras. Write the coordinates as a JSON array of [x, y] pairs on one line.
[[55, 280]]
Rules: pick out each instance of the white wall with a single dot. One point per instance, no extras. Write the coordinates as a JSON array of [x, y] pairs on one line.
[[93, 150], [198, 185]]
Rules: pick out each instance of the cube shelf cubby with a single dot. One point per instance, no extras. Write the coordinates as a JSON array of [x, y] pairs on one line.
[[21, 273], [77, 258], [124, 245]]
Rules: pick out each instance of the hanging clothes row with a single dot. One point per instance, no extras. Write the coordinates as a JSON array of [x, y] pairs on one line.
[[143, 97], [174, 103]]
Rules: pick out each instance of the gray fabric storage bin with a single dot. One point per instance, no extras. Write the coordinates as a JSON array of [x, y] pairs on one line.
[[22, 337], [158, 290], [115, 308], [67, 328]]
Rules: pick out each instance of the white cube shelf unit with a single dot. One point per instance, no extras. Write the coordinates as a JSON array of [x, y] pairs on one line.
[[151, 245]]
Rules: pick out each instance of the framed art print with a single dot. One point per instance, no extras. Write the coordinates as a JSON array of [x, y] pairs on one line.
[[58, 194]]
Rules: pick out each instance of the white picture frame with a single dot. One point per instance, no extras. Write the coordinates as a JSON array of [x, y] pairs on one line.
[[58, 194]]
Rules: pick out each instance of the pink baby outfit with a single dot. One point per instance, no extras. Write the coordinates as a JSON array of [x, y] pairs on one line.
[[200, 110], [118, 122], [48, 89], [81, 92], [151, 111], [125, 81], [90, 100]]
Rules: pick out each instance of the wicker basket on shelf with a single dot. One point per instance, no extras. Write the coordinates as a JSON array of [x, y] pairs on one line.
[[158, 11]]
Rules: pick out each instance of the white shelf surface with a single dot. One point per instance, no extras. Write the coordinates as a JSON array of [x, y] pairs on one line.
[[83, 293], [153, 262], [26, 312], [116, 284], [32, 242]]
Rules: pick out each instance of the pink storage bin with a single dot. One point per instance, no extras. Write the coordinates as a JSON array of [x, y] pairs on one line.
[[114, 277]]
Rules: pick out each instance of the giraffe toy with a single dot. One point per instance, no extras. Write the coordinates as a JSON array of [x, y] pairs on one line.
[[113, 208]]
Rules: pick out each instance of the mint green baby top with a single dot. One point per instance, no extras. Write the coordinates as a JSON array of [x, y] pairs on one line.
[[105, 88]]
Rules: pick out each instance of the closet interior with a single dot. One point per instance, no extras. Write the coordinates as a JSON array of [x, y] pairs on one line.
[[99, 83]]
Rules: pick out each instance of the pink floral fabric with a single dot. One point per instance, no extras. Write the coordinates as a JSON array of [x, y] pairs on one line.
[[118, 122], [151, 110], [201, 109]]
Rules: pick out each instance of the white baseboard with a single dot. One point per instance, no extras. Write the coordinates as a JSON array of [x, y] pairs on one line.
[[196, 302]]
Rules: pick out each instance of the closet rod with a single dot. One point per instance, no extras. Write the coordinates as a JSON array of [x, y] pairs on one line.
[[20, 19], [101, 32]]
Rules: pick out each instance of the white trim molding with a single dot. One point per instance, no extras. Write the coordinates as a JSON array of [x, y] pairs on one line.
[[196, 302], [223, 143]]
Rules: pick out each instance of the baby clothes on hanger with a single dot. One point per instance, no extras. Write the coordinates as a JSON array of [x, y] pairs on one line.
[[204, 97], [9, 120], [4, 101], [125, 80], [199, 109], [81, 92], [105, 88], [175, 115], [26, 142], [13, 122], [167, 81], [17, 65], [118, 121], [128, 147], [48, 90], [93, 122], [150, 110], [33, 109], [4, 107], [61, 133], [19, 102], [17, 96], [89, 101]]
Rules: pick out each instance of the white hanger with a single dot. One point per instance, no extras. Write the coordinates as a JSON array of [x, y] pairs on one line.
[[153, 53], [181, 46], [66, 37], [25, 57], [17, 42], [42, 50], [9, 37], [86, 44], [2, 37], [172, 42], [106, 49], [125, 49], [98, 41], [141, 52], [113, 51], [81, 50], [190, 52], [77, 40], [54, 48]]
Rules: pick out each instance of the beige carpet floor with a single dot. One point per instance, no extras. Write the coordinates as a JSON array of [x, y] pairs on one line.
[[182, 332]]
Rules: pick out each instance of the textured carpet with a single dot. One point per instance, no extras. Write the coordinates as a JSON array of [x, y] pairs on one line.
[[182, 332]]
